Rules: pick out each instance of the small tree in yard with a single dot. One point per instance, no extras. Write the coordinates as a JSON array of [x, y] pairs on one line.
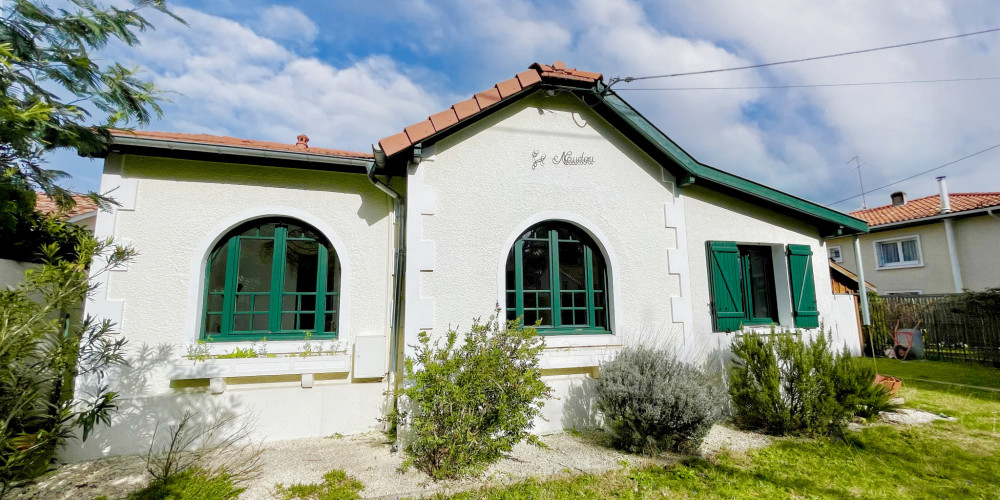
[[468, 404], [44, 345]]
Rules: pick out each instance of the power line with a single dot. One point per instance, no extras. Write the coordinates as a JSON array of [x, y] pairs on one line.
[[815, 58], [917, 174], [858, 84]]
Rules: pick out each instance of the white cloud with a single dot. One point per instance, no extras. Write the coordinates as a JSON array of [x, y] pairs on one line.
[[251, 79], [285, 23], [231, 80]]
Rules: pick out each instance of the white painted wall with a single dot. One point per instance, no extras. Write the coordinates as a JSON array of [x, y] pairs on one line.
[[476, 191], [12, 273], [173, 212]]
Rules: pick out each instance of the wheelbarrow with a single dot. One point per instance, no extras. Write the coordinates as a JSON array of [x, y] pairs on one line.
[[903, 340]]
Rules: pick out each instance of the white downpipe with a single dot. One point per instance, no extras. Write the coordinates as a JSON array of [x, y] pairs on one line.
[[866, 317], [956, 271]]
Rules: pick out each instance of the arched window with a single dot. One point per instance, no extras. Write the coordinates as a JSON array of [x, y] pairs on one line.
[[274, 278], [556, 276]]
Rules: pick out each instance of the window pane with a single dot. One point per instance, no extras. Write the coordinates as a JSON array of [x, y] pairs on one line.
[[260, 322], [255, 265], [546, 316], [243, 302], [509, 280], [330, 324], [761, 282], [544, 300], [288, 321], [571, 272], [530, 317], [241, 322], [910, 251], [217, 269], [536, 265], [888, 253], [261, 302], [301, 266], [600, 319], [215, 302], [214, 324], [307, 321]]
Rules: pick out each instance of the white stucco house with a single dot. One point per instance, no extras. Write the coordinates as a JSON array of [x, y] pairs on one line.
[[547, 195]]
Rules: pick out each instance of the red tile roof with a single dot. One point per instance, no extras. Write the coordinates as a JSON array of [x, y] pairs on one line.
[[927, 206], [46, 205], [302, 146], [463, 110]]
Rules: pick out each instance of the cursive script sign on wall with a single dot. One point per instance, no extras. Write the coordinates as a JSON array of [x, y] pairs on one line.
[[562, 158]]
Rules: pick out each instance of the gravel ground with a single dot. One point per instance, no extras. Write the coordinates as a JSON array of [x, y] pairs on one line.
[[726, 438], [906, 416], [368, 458]]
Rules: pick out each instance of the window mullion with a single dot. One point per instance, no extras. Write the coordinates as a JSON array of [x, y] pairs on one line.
[[554, 277], [519, 279], [277, 279], [232, 278], [588, 273], [321, 267]]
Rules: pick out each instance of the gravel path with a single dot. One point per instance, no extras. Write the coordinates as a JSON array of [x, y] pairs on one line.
[[368, 458]]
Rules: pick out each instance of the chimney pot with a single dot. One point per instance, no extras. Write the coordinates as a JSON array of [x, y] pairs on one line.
[[898, 198], [945, 198], [303, 141]]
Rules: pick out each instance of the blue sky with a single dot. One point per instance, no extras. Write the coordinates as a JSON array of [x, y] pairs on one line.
[[349, 73]]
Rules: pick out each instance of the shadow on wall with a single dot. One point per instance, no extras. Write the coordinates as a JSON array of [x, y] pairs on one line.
[[141, 418], [579, 409]]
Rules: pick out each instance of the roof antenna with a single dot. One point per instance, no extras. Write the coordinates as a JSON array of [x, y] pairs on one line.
[[864, 201]]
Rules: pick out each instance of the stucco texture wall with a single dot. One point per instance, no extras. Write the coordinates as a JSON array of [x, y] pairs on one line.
[[487, 193], [180, 209], [713, 216], [934, 276], [977, 240]]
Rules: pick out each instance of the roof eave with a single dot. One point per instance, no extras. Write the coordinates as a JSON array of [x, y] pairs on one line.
[[933, 218], [235, 154]]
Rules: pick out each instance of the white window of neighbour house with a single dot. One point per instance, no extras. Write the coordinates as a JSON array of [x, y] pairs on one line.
[[835, 254], [898, 253]]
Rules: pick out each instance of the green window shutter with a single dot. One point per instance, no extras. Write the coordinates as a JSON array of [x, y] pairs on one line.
[[727, 294], [800, 268]]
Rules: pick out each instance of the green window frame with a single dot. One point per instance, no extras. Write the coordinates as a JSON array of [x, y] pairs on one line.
[[742, 284], [556, 275], [271, 278]]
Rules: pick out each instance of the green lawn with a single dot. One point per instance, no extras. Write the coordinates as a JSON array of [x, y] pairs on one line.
[[945, 460]]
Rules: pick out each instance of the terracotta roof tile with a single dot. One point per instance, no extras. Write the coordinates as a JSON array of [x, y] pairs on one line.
[[394, 143], [536, 73], [466, 108], [528, 78], [46, 205], [487, 98], [444, 119], [927, 206], [508, 88], [217, 140], [418, 131]]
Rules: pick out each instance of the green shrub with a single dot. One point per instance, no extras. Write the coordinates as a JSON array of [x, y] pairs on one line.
[[336, 485], [783, 385], [44, 346], [652, 402], [468, 404], [191, 484], [856, 390]]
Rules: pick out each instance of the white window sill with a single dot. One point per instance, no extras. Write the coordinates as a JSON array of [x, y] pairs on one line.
[[582, 340], [258, 367], [901, 266], [277, 346], [556, 358]]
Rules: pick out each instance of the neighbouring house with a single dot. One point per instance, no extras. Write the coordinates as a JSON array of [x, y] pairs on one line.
[[547, 196], [945, 243], [84, 213]]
